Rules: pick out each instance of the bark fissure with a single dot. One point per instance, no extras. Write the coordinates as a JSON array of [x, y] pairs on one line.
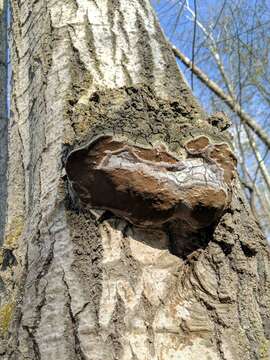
[[78, 349], [3, 115]]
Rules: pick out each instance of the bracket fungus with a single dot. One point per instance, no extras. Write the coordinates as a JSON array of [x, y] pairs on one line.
[[150, 186]]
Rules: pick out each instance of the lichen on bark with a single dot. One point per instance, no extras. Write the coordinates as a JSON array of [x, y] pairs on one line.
[[6, 312]]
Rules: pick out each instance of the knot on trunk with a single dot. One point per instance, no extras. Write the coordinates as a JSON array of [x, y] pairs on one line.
[[150, 186]]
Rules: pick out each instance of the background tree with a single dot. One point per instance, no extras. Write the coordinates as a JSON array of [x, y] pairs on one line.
[[231, 47], [98, 104]]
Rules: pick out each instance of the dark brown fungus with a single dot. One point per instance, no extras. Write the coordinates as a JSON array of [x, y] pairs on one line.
[[198, 145], [150, 187], [220, 120]]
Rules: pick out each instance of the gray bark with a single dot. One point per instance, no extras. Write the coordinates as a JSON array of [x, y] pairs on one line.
[[3, 112], [79, 283]]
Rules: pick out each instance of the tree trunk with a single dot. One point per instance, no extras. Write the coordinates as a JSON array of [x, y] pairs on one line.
[[3, 112], [112, 249]]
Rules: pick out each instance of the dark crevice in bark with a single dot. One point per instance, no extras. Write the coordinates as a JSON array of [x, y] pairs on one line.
[[45, 265], [144, 7], [124, 62], [3, 117], [112, 6], [32, 339], [36, 110], [11, 346], [27, 18], [33, 347], [3, 178], [8, 260], [82, 309], [78, 349], [183, 243], [91, 46], [133, 268], [81, 77], [145, 52], [249, 252], [149, 315], [225, 247], [117, 329], [219, 343], [121, 25]]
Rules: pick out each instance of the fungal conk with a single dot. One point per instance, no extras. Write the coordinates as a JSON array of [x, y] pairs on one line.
[[150, 186]]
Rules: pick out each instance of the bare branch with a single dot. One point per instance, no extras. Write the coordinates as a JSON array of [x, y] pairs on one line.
[[194, 40], [233, 105]]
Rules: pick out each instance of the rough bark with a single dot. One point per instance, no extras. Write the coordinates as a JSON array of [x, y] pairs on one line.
[[3, 112], [84, 283]]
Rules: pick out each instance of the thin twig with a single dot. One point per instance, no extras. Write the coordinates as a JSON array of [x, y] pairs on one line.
[[194, 41]]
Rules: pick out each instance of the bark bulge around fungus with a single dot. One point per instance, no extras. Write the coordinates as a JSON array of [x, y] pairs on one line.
[[151, 187]]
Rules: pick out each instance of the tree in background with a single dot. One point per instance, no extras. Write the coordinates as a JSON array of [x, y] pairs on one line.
[[229, 45], [126, 232]]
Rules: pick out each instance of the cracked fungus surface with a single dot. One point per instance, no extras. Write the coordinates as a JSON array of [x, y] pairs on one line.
[[150, 186]]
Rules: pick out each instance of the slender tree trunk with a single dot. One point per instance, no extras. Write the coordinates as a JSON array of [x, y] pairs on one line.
[[145, 278]]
